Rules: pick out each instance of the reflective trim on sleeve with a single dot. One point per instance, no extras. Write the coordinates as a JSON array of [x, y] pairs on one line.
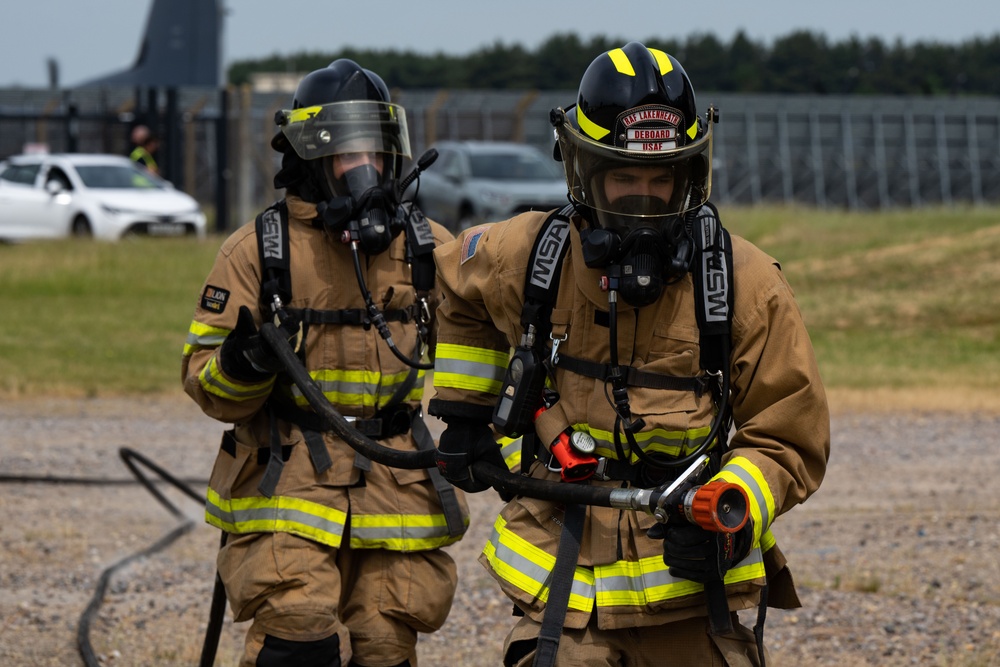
[[740, 470], [525, 566], [510, 449], [214, 382], [201, 336], [400, 532], [469, 368], [278, 514], [767, 541]]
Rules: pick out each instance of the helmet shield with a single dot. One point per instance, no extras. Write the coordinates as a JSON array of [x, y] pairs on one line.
[[648, 174], [358, 126]]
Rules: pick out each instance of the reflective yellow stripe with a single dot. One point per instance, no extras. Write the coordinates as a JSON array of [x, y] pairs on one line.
[[201, 336], [527, 567], [214, 382], [400, 532], [663, 61], [638, 583], [621, 62], [360, 387], [589, 127], [661, 440], [648, 580], [623, 583], [740, 470], [510, 449], [767, 541], [278, 514], [693, 130], [469, 368], [302, 115]]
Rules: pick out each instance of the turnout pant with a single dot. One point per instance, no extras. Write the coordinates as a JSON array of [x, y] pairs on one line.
[[300, 594]]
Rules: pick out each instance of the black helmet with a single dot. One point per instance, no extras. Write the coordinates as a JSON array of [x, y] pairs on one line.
[[635, 108], [342, 108]]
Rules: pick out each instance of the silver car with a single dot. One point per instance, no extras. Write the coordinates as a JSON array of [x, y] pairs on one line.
[[101, 196], [485, 181]]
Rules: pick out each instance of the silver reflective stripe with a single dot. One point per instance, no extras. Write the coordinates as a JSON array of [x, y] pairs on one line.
[[534, 572], [755, 489], [474, 369], [276, 514]]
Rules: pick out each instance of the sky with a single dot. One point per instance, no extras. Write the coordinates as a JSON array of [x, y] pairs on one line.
[[91, 38]]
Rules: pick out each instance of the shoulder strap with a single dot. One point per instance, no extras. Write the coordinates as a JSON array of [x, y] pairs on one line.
[[712, 272], [419, 249], [275, 263], [541, 282]]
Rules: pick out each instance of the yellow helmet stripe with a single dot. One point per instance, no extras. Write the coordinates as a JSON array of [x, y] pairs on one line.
[[693, 130], [589, 127], [621, 62], [303, 114], [662, 60]]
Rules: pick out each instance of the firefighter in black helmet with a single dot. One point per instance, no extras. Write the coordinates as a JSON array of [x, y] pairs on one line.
[[645, 383], [637, 157], [334, 558]]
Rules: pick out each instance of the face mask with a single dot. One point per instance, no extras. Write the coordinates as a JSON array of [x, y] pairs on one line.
[[645, 260], [368, 212]]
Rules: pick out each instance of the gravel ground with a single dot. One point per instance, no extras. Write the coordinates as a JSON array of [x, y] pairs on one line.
[[896, 556]]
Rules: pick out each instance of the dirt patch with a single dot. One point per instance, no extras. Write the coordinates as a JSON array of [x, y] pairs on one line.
[[895, 556]]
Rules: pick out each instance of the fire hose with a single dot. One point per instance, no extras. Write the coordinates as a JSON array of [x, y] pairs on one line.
[[717, 506]]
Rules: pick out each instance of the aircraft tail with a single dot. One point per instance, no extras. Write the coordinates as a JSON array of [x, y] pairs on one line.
[[182, 46]]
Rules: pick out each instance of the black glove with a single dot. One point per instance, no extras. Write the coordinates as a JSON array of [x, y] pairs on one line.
[[463, 442], [696, 554], [247, 357]]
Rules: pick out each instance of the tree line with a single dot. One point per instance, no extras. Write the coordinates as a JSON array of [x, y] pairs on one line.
[[800, 62]]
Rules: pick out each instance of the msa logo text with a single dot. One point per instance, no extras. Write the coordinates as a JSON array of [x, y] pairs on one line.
[[714, 271], [271, 238], [549, 249]]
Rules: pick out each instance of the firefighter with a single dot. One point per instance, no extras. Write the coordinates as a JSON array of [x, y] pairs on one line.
[[623, 357], [336, 559]]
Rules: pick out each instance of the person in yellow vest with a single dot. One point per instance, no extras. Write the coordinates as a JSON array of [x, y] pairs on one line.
[[628, 376], [335, 558], [146, 144]]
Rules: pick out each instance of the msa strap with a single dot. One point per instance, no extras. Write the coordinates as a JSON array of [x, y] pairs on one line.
[[272, 244], [712, 272]]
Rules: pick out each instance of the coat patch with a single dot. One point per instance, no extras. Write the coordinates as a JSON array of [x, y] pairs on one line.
[[214, 298], [471, 243]]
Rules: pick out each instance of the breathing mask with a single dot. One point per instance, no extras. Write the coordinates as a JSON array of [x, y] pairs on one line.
[[367, 212]]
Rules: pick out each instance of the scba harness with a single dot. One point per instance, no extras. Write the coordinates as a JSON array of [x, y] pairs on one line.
[[393, 418], [523, 389]]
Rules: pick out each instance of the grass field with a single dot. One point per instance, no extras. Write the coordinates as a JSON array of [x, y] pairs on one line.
[[899, 305]]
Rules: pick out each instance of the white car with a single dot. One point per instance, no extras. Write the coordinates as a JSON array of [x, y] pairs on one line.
[[101, 196]]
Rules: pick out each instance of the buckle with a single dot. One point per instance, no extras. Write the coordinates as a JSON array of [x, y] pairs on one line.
[[552, 465], [601, 472]]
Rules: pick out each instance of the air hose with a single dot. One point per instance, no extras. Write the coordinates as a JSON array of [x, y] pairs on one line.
[[651, 501]]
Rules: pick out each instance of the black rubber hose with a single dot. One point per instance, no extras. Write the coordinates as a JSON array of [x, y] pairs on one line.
[[510, 483], [314, 395], [130, 457], [500, 479]]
